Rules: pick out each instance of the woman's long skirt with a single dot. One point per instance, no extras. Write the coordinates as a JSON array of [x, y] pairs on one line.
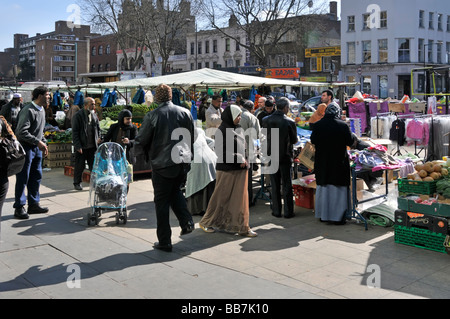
[[332, 202], [228, 209]]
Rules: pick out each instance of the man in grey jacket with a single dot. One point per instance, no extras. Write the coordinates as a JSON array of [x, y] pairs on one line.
[[167, 136], [30, 133]]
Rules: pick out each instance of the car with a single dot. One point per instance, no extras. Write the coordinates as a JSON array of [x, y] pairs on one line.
[[311, 104]]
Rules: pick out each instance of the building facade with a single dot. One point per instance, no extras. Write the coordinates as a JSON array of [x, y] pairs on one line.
[[59, 55], [381, 43]]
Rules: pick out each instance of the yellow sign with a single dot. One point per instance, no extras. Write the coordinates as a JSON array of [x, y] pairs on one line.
[[313, 78], [320, 52]]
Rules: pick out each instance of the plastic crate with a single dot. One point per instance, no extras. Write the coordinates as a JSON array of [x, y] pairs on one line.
[[408, 186], [59, 155], [421, 238], [59, 147], [304, 196], [435, 209], [56, 163], [432, 223]]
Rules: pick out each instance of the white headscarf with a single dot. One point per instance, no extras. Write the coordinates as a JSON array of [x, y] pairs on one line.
[[235, 111]]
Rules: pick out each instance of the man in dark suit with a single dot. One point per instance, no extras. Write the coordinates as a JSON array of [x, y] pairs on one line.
[[167, 137], [281, 138]]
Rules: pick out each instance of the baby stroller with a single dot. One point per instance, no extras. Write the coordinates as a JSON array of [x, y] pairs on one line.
[[108, 185]]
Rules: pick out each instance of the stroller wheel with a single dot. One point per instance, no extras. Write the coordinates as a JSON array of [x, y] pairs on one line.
[[89, 219], [125, 217], [117, 218]]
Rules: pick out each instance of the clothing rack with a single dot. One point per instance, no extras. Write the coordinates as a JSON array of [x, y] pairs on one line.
[[398, 145]]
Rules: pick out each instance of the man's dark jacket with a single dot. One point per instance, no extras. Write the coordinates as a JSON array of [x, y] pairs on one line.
[[156, 140], [80, 127], [287, 138]]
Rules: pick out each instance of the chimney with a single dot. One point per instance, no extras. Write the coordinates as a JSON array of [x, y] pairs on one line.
[[334, 9], [233, 21]]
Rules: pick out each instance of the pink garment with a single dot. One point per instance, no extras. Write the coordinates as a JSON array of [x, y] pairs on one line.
[[415, 130]]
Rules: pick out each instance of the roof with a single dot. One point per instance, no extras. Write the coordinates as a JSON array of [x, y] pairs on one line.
[[204, 78]]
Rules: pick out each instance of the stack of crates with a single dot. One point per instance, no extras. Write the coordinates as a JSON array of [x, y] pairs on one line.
[[421, 230], [355, 126], [58, 155]]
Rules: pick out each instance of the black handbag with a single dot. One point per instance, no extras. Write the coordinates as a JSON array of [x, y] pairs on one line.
[[12, 154]]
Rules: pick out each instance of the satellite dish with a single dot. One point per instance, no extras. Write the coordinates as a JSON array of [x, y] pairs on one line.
[[310, 4]]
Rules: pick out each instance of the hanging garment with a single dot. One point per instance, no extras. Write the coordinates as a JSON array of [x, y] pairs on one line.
[[79, 99], [139, 97], [397, 132]]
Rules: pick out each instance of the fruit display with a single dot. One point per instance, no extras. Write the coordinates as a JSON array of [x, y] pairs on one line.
[[429, 172], [443, 185]]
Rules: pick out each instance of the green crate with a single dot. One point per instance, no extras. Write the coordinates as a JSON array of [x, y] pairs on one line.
[[421, 238], [435, 209], [408, 186]]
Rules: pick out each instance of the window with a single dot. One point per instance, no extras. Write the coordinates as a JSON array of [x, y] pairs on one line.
[[314, 64], [439, 21], [351, 53], [108, 49], [207, 46], [383, 86], [326, 63], [366, 21], [367, 51], [199, 65], [351, 23], [421, 50], [93, 68], [430, 51], [100, 67], [447, 55], [192, 48], [227, 45], [382, 51], [100, 50], [238, 48], [421, 19], [214, 46], [403, 51], [439, 52], [207, 65], [199, 47], [448, 23], [367, 84], [383, 19], [107, 67], [238, 63], [94, 51], [431, 21]]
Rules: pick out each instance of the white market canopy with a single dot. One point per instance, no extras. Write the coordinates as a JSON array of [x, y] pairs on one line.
[[204, 79]]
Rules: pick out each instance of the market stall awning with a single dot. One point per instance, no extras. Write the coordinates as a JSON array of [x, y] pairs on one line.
[[205, 78]]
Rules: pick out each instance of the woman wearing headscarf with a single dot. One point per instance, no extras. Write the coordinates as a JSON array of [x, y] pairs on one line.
[[123, 132], [228, 209], [331, 136]]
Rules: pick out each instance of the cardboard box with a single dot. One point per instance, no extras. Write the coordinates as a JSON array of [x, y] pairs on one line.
[[397, 107], [307, 155]]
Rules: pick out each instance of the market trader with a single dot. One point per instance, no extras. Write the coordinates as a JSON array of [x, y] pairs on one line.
[[167, 138], [11, 110], [30, 134], [85, 137]]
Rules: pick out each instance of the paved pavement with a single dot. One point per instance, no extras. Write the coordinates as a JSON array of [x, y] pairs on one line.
[[299, 258]]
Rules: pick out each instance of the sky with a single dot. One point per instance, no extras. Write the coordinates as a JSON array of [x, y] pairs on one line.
[[31, 17]]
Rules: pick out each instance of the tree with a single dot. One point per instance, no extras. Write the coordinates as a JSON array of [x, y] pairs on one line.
[[115, 17], [163, 26], [265, 22], [27, 71]]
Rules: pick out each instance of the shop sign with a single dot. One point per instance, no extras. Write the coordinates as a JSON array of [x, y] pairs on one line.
[[283, 73], [313, 78], [321, 52]]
